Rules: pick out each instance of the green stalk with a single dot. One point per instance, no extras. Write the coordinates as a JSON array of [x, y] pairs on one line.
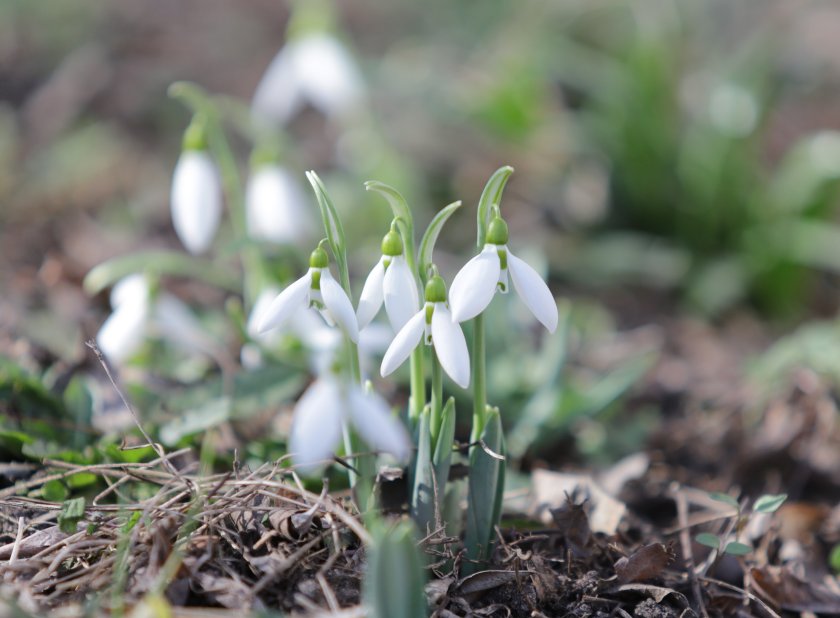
[[479, 368], [437, 400]]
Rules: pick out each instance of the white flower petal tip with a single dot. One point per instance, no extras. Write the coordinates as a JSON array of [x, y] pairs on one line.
[[196, 200], [123, 332], [399, 289], [406, 340], [339, 305], [377, 426], [132, 289], [475, 284], [534, 292], [316, 430], [372, 295], [290, 300], [274, 206], [450, 346]]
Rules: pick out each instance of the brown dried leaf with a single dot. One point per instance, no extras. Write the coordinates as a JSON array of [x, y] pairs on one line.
[[551, 488], [484, 580], [34, 543], [782, 587], [645, 563], [573, 523]]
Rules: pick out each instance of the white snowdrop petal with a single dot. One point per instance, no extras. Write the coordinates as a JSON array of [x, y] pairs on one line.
[[339, 305], [122, 333], [450, 346], [278, 95], [377, 426], [196, 200], [284, 306], [372, 295], [263, 302], [131, 289], [400, 292], [326, 73], [474, 286], [406, 340], [274, 206], [316, 428], [533, 291]]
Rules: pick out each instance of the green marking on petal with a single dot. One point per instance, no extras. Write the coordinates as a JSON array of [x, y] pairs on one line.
[[316, 280]]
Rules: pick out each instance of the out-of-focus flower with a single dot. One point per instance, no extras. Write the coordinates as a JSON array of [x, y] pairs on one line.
[[478, 281], [323, 410], [391, 281], [312, 68], [138, 314], [275, 205], [196, 198], [434, 324], [317, 289]]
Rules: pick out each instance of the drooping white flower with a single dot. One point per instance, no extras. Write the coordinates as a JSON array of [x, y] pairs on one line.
[[392, 282], [275, 205], [434, 324], [478, 281], [313, 68], [323, 410], [317, 289], [123, 332], [196, 199]]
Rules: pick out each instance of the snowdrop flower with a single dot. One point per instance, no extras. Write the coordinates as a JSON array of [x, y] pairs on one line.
[[317, 289], [434, 324], [475, 285], [312, 68], [321, 413], [274, 204], [391, 281], [122, 334], [196, 198]]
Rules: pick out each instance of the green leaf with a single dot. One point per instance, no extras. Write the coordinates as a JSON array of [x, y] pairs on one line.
[[737, 549], [492, 194], [442, 458], [54, 491], [209, 414], [834, 558], [72, 511], [79, 403], [708, 539], [156, 263], [769, 503], [427, 243], [395, 580], [81, 479], [329, 215], [423, 491], [486, 484], [725, 498]]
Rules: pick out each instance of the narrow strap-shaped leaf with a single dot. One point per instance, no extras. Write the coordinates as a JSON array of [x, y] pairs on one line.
[[423, 489], [486, 484], [395, 580], [332, 222], [442, 458], [427, 243], [492, 194], [158, 262]]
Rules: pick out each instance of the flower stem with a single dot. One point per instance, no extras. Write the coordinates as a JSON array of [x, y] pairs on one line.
[[479, 379], [437, 400], [418, 386]]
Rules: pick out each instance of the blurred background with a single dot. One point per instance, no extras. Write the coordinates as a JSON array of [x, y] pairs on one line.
[[672, 159]]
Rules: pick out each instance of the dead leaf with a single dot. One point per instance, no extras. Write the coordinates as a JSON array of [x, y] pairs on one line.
[[484, 580], [34, 543], [573, 524], [657, 593], [551, 488], [645, 563], [783, 588]]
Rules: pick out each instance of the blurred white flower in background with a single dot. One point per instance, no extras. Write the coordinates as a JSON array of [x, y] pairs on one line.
[[196, 200], [314, 68], [275, 206], [321, 413]]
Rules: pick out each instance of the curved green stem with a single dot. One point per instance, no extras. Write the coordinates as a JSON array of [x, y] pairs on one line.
[[437, 399], [479, 369]]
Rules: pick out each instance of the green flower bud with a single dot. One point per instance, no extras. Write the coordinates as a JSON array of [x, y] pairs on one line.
[[497, 232], [392, 244], [436, 290], [319, 258]]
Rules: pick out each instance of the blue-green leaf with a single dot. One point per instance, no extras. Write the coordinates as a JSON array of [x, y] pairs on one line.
[[492, 194], [708, 539], [427, 243], [395, 580], [769, 503]]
